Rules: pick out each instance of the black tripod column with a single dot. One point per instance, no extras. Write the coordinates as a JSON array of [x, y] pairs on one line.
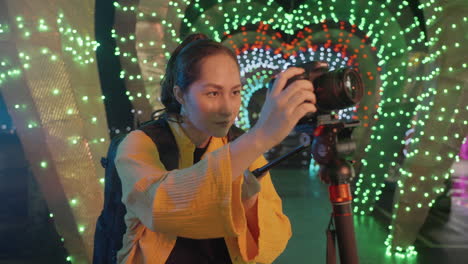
[[340, 197]]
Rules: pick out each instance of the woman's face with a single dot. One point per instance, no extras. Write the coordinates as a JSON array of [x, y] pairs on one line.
[[212, 103]]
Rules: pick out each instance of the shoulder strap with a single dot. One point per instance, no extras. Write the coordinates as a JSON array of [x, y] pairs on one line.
[[112, 183], [161, 134], [110, 226]]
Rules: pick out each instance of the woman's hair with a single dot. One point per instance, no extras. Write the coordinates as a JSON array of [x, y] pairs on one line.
[[183, 68]]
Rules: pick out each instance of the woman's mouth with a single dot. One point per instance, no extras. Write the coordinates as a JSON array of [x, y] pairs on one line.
[[224, 124]]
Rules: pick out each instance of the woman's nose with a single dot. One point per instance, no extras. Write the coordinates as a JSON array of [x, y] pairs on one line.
[[226, 106]]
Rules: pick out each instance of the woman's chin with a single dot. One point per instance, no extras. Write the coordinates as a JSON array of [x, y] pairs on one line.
[[220, 132]]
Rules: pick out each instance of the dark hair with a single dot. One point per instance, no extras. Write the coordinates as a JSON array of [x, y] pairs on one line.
[[183, 67]]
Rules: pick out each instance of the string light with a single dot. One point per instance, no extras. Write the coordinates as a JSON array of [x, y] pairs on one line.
[[363, 34]]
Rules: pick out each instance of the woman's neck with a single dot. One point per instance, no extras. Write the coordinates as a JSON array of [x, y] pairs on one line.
[[197, 137]]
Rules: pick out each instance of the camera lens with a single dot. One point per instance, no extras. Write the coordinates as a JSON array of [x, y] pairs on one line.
[[353, 86], [338, 89]]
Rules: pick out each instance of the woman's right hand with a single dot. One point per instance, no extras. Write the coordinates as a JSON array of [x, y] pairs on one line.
[[284, 107]]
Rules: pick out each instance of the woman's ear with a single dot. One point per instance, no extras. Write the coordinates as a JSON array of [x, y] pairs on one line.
[[178, 94]]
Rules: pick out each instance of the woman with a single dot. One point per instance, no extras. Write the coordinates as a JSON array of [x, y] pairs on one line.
[[211, 209]]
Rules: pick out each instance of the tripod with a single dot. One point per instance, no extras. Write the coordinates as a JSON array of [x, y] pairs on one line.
[[331, 144]]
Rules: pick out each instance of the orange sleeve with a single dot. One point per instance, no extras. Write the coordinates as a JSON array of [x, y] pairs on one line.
[[194, 202], [274, 226]]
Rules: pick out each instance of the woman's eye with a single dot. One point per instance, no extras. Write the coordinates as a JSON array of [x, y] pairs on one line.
[[238, 92]]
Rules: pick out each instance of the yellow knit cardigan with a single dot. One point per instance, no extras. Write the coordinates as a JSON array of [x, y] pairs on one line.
[[196, 201]]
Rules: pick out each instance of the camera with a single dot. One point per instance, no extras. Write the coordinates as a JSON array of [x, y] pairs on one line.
[[334, 90]]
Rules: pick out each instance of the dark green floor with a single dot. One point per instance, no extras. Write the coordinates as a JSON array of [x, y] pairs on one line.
[[443, 238]]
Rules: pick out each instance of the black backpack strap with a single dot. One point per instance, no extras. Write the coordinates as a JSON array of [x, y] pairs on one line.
[[110, 226], [161, 134], [111, 182]]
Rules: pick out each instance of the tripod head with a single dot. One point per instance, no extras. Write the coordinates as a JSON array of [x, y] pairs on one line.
[[332, 148], [330, 139]]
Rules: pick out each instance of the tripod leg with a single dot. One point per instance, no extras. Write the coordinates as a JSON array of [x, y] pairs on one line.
[[340, 197], [344, 225], [331, 242]]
